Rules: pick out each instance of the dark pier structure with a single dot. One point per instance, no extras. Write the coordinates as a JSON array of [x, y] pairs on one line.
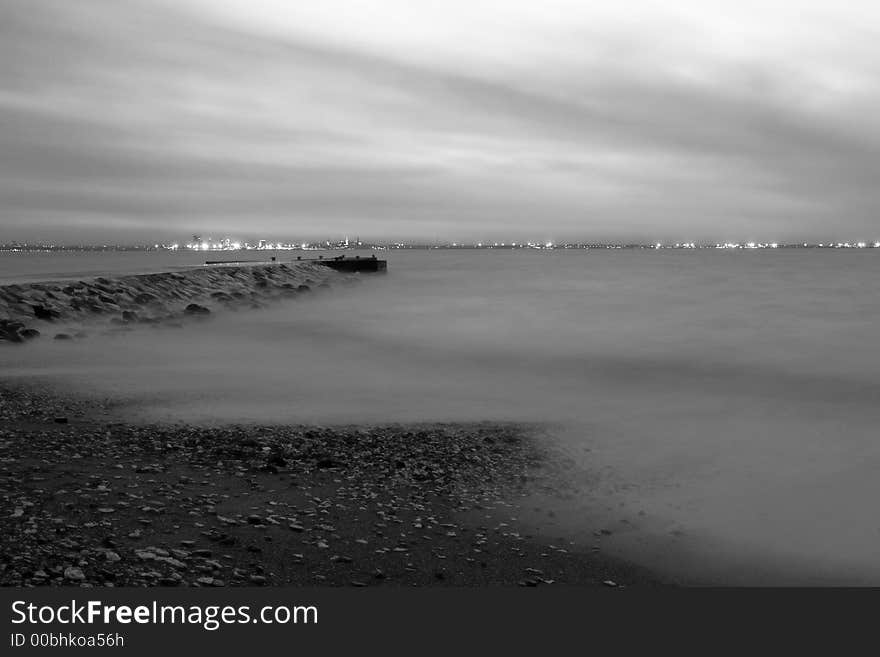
[[349, 265], [339, 263]]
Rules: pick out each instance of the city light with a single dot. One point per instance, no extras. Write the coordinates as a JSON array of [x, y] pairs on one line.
[[199, 244]]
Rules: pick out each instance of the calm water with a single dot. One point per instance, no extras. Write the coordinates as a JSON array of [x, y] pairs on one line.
[[722, 407]]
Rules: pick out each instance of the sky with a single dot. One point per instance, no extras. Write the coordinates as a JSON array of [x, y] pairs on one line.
[[153, 120]]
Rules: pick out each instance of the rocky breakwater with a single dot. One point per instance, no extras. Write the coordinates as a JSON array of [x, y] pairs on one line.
[[63, 308]]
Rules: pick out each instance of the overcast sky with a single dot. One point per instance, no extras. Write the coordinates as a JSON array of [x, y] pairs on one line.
[[126, 120]]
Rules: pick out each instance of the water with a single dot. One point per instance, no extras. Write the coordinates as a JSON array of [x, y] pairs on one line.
[[721, 406]]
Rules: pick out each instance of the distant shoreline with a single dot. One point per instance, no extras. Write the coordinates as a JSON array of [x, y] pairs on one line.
[[450, 246]]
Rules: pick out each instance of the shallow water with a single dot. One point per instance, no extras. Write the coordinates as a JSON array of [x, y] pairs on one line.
[[731, 397]]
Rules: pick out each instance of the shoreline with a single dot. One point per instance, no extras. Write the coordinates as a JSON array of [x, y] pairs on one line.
[[91, 500]]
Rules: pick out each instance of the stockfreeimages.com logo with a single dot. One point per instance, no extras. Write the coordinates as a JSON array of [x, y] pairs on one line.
[[209, 617]]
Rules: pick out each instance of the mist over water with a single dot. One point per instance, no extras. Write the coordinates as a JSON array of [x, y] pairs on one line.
[[730, 397]]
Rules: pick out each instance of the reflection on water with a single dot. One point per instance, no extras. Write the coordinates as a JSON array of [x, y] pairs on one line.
[[728, 396]]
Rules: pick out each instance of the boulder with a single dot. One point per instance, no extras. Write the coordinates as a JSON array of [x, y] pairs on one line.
[[29, 333], [144, 297], [10, 331], [42, 312], [196, 309]]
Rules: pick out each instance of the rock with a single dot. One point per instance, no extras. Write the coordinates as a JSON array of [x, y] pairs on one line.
[[112, 557], [258, 580], [74, 574], [10, 331], [63, 336], [129, 316], [196, 309], [42, 312], [29, 333]]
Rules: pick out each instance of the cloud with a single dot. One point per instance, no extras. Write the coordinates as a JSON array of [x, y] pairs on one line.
[[147, 120]]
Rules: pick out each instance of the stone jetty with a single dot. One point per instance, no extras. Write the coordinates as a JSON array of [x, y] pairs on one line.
[[28, 310]]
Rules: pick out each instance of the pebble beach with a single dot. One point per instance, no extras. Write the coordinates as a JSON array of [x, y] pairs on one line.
[[88, 500]]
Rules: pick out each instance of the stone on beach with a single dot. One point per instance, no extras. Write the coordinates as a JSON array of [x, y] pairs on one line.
[[74, 574]]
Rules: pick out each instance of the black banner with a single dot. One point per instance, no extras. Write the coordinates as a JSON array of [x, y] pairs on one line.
[[412, 621]]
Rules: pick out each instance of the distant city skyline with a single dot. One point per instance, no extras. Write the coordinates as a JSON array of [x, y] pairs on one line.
[[421, 121], [230, 244]]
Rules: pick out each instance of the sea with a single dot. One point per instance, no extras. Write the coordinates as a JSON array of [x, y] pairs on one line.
[[719, 410]]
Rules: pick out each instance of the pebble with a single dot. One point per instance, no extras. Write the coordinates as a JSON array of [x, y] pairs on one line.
[[74, 574]]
